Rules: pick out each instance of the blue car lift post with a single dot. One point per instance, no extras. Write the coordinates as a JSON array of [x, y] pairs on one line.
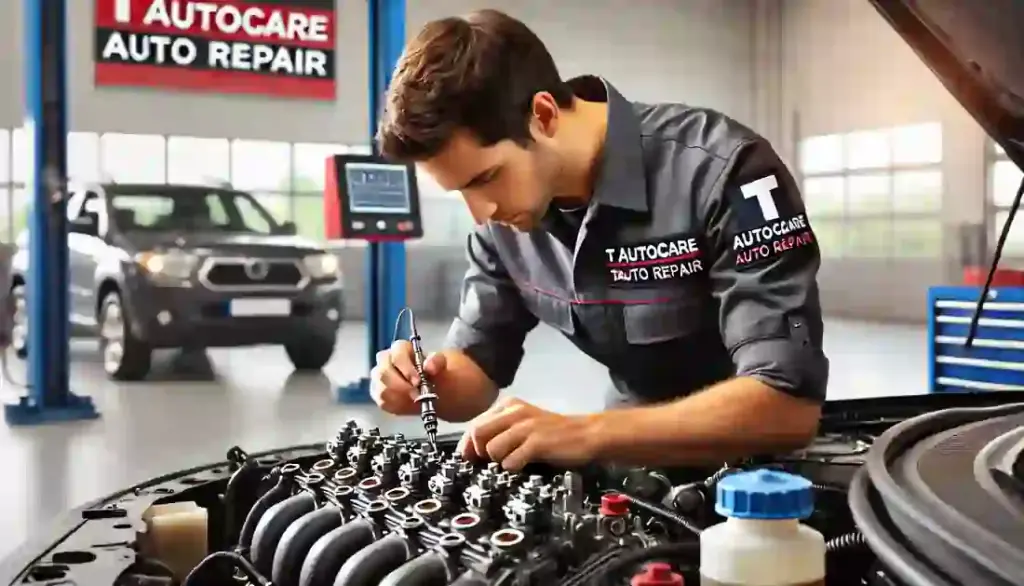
[[49, 398], [385, 261]]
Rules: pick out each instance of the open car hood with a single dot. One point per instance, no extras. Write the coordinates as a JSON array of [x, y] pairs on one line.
[[976, 50]]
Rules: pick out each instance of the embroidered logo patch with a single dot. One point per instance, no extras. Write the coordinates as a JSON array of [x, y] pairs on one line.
[[675, 257], [766, 222]]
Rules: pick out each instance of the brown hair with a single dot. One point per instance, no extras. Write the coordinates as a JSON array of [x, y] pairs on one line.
[[478, 73]]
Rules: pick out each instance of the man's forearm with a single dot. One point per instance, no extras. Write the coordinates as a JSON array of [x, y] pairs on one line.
[[463, 389], [734, 419]]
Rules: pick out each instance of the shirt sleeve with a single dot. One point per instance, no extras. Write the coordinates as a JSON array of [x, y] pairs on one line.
[[764, 265], [493, 321]]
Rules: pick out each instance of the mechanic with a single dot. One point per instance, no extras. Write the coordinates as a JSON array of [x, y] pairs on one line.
[[667, 242]]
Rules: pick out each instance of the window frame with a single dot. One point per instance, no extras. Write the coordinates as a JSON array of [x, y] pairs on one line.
[[291, 193], [995, 154], [846, 219]]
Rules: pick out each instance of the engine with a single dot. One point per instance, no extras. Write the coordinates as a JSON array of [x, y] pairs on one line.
[[390, 511]]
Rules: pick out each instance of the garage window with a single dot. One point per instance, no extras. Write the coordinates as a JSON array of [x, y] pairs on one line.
[[13, 211], [261, 165], [6, 216], [133, 158], [875, 193], [309, 176], [1003, 180], [84, 156], [309, 162], [19, 155], [198, 161], [5, 156]]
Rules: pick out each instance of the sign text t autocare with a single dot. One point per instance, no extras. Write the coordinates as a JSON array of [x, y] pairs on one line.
[[293, 40]]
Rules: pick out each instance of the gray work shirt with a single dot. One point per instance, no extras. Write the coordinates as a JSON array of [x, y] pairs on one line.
[[694, 262]]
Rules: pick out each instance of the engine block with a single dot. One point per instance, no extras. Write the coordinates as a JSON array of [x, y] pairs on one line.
[[390, 511]]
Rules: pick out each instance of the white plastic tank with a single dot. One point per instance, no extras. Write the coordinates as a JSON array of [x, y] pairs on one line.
[[762, 541]]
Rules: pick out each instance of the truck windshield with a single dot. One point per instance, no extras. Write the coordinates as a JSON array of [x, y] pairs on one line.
[[188, 209]]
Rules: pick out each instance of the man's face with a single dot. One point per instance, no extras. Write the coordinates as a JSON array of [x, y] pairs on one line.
[[505, 182]]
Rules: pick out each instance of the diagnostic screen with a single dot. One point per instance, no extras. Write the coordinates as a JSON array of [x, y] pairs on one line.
[[377, 188]]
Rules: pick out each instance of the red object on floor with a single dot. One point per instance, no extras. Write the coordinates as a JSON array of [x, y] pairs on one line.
[[657, 574], [975, 276]]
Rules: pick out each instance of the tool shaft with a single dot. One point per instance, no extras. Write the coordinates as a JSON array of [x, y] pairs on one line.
[[427, 397]]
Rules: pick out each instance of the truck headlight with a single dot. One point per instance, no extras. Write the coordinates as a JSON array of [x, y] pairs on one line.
[[322, 266], [169, 267]]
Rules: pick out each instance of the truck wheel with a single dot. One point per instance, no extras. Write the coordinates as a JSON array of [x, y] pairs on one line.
[[19, 321], [312, 353], [125, 357]]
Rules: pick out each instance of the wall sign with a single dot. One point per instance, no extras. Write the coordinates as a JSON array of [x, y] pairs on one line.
[[271, 47]]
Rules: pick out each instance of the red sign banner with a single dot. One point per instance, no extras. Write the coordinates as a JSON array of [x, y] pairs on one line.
[[280, 48]]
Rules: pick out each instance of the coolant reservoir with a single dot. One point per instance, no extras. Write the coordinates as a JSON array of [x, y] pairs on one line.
[[176, 534], [762, 542]]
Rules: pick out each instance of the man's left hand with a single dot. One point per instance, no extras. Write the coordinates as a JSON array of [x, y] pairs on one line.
[[515, 433]]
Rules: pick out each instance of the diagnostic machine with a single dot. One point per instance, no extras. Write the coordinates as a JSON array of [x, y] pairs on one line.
[[368, 198]]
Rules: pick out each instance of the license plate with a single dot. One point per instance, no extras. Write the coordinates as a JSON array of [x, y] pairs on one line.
[[260, 307]]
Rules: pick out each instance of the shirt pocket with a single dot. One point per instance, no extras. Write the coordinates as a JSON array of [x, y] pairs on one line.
[[654, 323], [550, 309]]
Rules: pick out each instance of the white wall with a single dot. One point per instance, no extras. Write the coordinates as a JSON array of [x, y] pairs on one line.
[[694, 50], [842, 68]]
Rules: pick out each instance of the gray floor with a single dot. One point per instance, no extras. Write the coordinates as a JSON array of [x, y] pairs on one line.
[[254, 401]]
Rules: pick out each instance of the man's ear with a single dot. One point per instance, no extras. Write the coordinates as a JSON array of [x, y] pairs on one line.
[[545, 118]]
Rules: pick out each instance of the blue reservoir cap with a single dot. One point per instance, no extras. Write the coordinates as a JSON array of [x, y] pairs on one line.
[[764, 494]]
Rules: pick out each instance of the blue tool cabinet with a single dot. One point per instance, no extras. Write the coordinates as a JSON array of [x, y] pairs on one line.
[[995, 362]]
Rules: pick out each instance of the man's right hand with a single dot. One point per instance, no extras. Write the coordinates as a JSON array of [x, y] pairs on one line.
[[394, 383]]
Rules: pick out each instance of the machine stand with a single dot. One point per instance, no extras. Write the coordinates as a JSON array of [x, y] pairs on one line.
[[385, 261], [49, 398]]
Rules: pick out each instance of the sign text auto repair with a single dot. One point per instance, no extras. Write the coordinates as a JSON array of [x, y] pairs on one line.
[[275, 47]]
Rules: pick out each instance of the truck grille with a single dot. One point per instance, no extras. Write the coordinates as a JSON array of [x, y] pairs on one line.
[[252, 274]]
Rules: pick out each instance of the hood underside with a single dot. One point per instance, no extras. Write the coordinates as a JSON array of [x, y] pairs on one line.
[[976, 49]]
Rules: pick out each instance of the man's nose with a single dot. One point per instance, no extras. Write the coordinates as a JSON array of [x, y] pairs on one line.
[[481, 209]]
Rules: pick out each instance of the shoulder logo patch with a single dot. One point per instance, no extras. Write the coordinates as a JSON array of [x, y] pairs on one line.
[[648, 263], [761, 191], [767, 222]]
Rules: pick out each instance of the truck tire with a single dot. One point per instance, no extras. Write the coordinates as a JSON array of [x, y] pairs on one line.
[[312, 353], [19, 321], [125, 357]]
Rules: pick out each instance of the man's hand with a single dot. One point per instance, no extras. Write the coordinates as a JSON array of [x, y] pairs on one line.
[[394, 383], [515, 433]]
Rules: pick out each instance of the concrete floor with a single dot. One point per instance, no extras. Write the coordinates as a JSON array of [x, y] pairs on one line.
[[252, 399]]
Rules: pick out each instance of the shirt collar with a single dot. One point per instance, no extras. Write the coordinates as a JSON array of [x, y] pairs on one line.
[[621, 181]]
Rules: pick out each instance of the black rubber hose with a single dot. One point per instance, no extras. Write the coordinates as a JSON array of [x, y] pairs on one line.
[[273, 525], [296, 542], [331, 551], [276, 494], [428, 569], [194, 578], [373, 563], [690, 550], [247, 471], [894, 556], [662, 512]]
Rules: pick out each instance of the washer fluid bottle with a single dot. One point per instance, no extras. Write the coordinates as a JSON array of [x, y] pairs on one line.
[[762, 541]]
